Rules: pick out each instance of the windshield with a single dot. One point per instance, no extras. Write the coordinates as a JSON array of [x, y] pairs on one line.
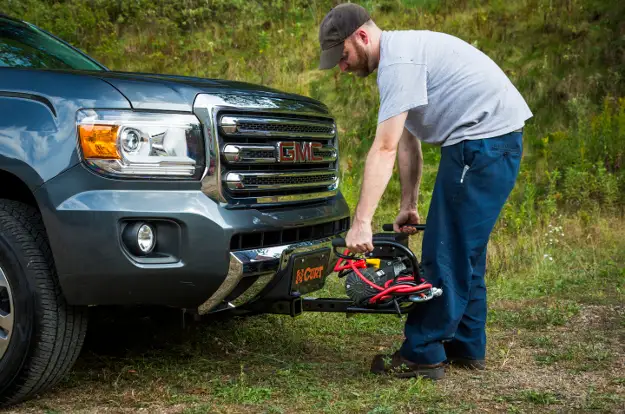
[[24, 46]]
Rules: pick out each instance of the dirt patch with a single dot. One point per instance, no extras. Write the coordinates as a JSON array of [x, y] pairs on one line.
[[601, 317]]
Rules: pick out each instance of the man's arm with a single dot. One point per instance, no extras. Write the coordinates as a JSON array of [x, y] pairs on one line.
[[378, 172], [410, 159]]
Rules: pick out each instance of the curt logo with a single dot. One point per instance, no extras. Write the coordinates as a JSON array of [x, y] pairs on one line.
[[308, 274]]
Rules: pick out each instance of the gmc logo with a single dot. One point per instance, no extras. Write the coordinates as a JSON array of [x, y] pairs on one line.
[[298, 151]]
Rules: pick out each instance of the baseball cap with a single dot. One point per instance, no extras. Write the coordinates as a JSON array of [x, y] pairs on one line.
[[338, 25]]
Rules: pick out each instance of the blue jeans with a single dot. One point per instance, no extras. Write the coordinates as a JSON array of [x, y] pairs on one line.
[[474, 180]]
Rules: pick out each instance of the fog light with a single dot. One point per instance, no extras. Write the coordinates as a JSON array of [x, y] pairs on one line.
[[139, 238], [145, 238]]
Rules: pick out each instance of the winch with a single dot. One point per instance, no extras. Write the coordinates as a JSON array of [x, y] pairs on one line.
[[389, 276], [387, 280]]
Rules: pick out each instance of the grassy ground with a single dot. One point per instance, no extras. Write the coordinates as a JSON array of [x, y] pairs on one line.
[[556, 330]]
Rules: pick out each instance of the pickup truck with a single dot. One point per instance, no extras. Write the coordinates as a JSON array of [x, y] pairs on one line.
[[149, 189]]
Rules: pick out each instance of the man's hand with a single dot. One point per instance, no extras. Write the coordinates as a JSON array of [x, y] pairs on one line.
[[406, 217], [359, 238]]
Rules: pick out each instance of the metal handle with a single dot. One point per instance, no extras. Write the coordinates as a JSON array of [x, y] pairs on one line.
[[389, 227], [340, 242]]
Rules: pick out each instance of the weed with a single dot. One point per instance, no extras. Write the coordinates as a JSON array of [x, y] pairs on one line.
[[541, 341], [531, 396], [538, 397]]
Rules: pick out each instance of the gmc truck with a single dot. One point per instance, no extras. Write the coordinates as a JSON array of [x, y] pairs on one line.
[[147, 189]]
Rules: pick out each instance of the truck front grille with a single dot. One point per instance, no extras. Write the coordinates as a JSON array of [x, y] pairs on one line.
[[270, 158], [265, 127], [276, 126], [290, 179], [262, 239], [249, 181]]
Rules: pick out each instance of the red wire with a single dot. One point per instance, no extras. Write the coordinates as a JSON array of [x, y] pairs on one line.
[[386, 294], [387, 291]]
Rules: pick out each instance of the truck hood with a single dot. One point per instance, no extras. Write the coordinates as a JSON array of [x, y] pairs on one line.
[[150, 91]]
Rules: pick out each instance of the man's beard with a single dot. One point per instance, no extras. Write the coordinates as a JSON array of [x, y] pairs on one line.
[[362, 69]]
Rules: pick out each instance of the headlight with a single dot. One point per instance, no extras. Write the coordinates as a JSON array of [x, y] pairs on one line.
[[138, 144]]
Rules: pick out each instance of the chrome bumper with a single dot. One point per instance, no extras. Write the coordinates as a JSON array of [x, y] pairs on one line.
[[264, 263]]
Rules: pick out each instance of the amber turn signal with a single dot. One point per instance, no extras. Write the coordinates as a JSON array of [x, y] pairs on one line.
[[99, 141]]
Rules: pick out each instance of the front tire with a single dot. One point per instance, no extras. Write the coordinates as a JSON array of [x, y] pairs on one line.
[[40, 334]]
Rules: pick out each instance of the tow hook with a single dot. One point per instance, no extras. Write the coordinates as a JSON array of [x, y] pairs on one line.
[[434, 292]]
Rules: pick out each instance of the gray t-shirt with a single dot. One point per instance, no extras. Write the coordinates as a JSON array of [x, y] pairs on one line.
[[451, 89]]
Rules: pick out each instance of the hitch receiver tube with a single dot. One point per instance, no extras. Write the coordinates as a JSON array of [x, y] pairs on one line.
[[347, 306]]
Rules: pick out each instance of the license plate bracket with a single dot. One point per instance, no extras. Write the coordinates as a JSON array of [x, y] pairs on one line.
[[309, 271]]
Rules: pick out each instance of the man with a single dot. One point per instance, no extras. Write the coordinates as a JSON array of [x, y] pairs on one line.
[[437, 89]]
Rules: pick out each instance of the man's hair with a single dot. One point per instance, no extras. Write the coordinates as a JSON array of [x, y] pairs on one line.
[[369, 23]]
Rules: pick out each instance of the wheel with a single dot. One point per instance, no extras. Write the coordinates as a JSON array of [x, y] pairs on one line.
[[40, 334]]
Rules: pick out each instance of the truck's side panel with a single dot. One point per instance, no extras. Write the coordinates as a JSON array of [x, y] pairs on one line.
[[38, 137]]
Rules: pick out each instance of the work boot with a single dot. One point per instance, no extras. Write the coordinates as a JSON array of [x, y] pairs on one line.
[[400, 367], [467, 363]]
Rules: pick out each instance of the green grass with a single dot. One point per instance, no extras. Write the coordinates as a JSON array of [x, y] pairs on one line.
[[541, 341], [556, 351], [532, 397], [586, 357], [532, 317]]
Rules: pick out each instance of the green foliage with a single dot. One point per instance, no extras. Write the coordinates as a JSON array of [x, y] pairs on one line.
[[589, 189], [565, 56], [584, 165]]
